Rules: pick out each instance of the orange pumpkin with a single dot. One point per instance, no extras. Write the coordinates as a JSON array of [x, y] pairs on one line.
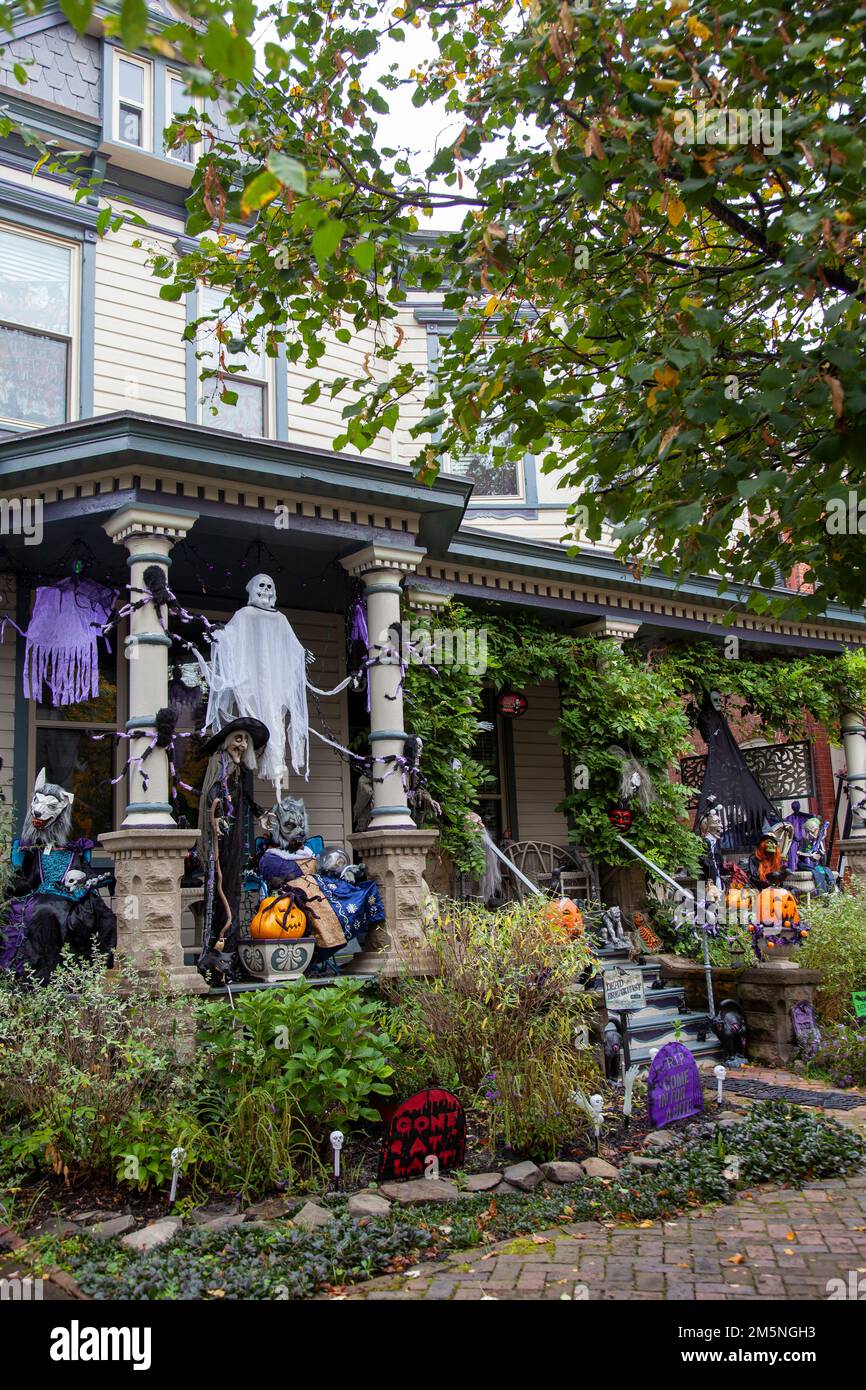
[[278, 918], [769, 905], [565, 917]]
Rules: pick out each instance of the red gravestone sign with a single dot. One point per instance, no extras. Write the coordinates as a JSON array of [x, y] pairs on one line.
[[673, 1088], [429, 1123]]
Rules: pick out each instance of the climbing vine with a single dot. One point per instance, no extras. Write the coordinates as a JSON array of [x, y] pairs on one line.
[[644, 703]]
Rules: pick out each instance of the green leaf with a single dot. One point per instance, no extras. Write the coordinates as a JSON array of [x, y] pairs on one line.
[[78, 13], [261, 189], [289, 171], [133, 23], [364, 254], [326, 239]]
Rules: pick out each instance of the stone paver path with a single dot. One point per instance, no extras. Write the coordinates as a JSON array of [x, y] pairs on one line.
[[767, 1244]]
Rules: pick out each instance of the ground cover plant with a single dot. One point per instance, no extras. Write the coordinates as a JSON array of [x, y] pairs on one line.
[[773, 1142]]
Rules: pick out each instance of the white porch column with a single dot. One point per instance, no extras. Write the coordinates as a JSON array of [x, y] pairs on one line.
[[149, 850], [148, 534], [381, 568], [393, 849], [854, 743]]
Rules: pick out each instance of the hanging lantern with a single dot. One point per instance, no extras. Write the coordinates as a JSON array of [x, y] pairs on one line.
[[512, 703], [620, 817]]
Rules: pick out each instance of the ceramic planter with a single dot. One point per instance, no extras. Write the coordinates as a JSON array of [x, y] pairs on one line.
[[276, 960]]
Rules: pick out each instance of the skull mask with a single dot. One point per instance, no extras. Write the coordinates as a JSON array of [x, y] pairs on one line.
[[262, 592]]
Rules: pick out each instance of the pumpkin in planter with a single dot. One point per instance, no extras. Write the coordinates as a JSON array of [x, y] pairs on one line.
[[565, 917], [770, 905], [278, 918]]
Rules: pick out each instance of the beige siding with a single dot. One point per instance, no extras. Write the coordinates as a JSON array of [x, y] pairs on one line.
[[538, 767], [327, 793], [319, 423], [7, 688], [139, 354]]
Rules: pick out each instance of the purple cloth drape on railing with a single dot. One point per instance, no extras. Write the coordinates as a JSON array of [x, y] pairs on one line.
[[61, 640]]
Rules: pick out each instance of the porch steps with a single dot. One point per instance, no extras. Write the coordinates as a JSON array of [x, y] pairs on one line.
[[653, 1025]]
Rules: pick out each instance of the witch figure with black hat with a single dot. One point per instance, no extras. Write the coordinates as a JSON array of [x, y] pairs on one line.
[[224, 808]]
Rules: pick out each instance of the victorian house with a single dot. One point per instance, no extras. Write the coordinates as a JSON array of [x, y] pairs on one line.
[[112, 460]]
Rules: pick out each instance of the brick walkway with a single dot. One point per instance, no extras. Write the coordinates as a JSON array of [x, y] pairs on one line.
[[767, 1244]]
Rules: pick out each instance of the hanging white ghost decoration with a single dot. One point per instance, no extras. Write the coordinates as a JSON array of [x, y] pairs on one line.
[[258, 669]]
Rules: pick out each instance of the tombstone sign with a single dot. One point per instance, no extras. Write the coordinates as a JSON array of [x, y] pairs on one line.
[[806, 1029], [673, 1088], [429, 1124], [859, 1001], [623, 989]]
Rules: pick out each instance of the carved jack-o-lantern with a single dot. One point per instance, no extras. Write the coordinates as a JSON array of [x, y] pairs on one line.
[[565, 917], [278, 919]]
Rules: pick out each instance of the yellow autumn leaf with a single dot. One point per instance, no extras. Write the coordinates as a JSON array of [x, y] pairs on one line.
[[691, 301], [676, 211], [491, 306], [666, 376], [844, 216], [695, 27], [664, 84]]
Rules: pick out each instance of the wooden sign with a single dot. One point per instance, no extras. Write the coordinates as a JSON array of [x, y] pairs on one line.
[[623, 989], [431, 1124], [673, 1088], [858, 999]]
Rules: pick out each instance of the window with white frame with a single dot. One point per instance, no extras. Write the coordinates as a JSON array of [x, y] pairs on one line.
[[38, 328], [251, 414], [133, 99], [178, 104], [500, 481]]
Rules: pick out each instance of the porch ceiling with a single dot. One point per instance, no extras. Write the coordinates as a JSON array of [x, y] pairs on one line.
[[127, 440]]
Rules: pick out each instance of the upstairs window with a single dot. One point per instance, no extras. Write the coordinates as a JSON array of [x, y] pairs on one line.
[[133, 79], [38, 298], [499, 481], [178, 104], [251, 415]]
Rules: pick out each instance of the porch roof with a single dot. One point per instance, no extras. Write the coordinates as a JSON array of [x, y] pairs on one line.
[[127, 438]]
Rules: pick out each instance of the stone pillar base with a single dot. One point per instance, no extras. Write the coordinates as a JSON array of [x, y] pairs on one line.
[[396, 860], [854, 850], [766, 994], [148, 864]]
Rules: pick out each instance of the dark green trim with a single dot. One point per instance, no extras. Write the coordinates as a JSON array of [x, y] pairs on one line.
[[554, 565], [378, 735], [281, 393], [21, 722], [148, 639], [43, 212], [128, 438], [64, 127], [154, 559], [87, 320]]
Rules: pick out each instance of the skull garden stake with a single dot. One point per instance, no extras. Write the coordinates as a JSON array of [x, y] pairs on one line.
[[337, 1140]]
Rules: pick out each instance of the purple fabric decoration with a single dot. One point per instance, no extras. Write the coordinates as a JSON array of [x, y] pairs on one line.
[[797, 821], [359, 632], [61, 640]]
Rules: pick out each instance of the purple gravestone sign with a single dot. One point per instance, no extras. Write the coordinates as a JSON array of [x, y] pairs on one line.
[[673, 1088]]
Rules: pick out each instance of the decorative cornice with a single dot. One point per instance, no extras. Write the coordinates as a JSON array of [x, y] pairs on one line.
[[139, 520], [378, 558]]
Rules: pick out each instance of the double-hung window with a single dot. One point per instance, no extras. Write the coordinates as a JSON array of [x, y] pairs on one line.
[[133, 100], [251, 414], [38, 328], [179, 103]]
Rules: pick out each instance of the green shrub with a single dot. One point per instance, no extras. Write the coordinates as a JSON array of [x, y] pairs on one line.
[[281, 1070], [836, 945], [78, 1057], [776, 1142], [498, 1022]]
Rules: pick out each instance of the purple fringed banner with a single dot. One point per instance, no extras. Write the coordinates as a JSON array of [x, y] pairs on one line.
[[61, 640]]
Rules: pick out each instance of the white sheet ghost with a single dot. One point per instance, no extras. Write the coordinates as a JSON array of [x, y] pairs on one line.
[[258, 668]]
